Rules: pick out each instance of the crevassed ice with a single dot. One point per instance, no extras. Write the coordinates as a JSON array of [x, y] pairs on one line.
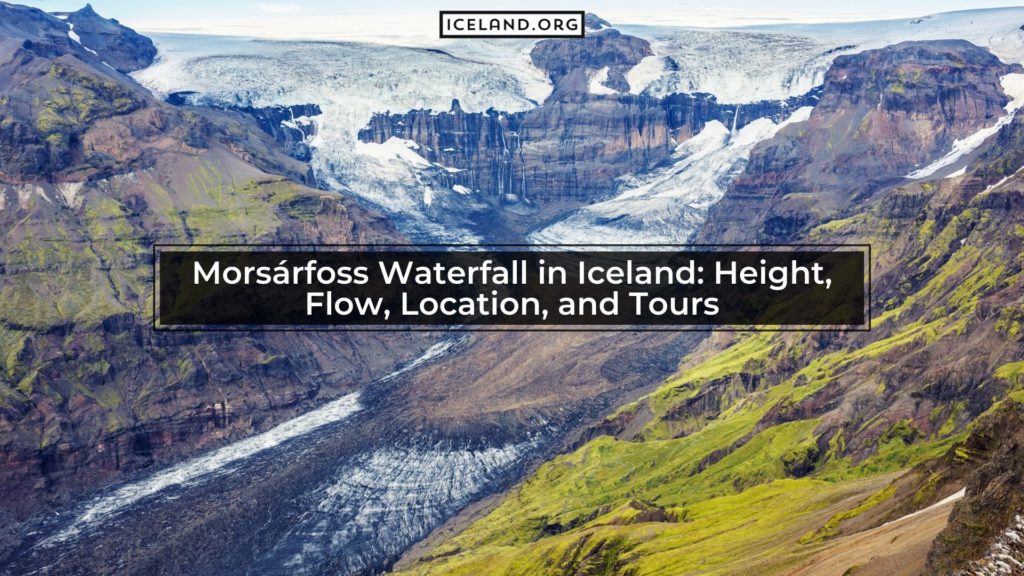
[[737, 67], [669, 204], [774, 62], [350, 81], [385, 500]]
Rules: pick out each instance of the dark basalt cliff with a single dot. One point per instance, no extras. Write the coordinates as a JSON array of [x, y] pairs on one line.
[[569, 150], [290, 126], [882, 114]]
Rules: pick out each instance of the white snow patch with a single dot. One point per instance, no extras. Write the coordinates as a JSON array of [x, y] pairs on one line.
[[74, 37], [958, 173], [642, 75], [461, 189], [597, 81], [1013, 86], [297, 122], [948, 499], [27, 191], [71, 191]]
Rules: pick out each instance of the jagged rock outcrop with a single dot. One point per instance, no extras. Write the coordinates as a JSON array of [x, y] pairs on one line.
[[119, 46], [569, 64], [291, 126], [984, 531]]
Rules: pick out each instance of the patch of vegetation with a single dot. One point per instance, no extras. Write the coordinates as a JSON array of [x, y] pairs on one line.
[[831, 527]]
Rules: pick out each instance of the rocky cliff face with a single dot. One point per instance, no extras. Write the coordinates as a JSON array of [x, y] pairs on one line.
[[882, 114], [290, 126], [93, 172], [984, 532], [568, 151], [570, 64]]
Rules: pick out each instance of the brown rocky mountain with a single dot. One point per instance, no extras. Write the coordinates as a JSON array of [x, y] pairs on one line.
[[119, 46], [882, 114]]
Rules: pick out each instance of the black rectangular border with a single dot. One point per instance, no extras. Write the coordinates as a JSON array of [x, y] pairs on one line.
[[340, 328], [583, 18]]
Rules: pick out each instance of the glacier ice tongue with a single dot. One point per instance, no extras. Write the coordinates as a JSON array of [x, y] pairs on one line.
[[350, 81], [668, 204]]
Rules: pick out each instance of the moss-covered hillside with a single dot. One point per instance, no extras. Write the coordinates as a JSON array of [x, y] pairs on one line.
[[768, 449]]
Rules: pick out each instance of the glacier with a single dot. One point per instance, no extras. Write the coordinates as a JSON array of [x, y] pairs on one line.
[[343, 489], [352, 80], [776, 61], [223, 460], [668, 205], [381, 503]]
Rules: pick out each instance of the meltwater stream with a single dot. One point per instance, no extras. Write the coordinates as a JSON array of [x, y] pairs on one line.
[[333, 491]]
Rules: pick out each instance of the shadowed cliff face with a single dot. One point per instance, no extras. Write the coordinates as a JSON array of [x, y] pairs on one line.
[[291, 126], [882, 114], [572, 148]]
